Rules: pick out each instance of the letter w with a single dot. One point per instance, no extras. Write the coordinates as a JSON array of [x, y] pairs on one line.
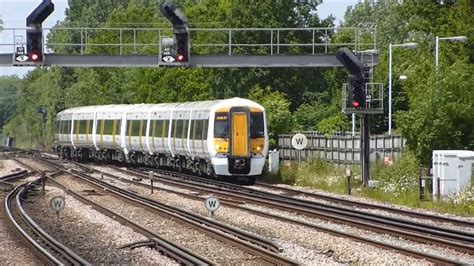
[[57, 203], [212, 203]]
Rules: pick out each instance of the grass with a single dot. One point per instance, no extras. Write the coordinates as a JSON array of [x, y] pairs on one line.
[[398, 184]]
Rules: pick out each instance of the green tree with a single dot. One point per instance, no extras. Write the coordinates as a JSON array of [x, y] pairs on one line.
[[9, 88], [278, 115]]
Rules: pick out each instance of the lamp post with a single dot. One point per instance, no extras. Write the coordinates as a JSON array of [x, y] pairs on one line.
[[411, 45], [452, 39]]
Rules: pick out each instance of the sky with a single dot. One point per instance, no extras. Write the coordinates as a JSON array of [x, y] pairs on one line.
[[14, 13]]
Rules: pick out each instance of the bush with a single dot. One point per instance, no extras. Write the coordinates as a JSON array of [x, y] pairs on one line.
[[402, 177]]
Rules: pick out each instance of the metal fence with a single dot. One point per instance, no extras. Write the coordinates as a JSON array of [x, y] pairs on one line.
[[204, 41], [341, 149]]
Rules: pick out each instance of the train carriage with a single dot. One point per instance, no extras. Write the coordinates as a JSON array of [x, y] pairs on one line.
[[217, 138]]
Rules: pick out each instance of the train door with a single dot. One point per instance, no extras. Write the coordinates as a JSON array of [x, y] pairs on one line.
[[240, 134], [239, 161]]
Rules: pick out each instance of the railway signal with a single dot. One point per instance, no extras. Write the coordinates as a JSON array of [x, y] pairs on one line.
[[180, 32], [356, 92], [34, 33], [356, 84]]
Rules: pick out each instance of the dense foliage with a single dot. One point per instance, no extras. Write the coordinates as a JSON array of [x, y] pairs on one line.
[[429, 117]]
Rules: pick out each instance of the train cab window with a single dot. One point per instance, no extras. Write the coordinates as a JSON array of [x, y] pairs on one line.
[[257, 128], [221, 126]]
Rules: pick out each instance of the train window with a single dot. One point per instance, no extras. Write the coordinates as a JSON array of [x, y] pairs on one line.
[[88, 126], [204, 129], [155, 128], [257, 128], [82, 126], [68, 126], [221, 126], [193, 129], [135, 127], [198, 129], [129, 130], [179, 128], [60, 130], [76, 127], [108, 127], [166, 128], [117, 126], [143, 127], [185, 129], [173, 128]]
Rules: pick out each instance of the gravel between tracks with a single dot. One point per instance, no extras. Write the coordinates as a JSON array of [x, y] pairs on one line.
[[12, 251], [91, 234], [306, 245], [195, 241], [375, 211]]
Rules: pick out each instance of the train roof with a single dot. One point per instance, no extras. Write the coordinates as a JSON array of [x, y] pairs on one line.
[[203, 105]]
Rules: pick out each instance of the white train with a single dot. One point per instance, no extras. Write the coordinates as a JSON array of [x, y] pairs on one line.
[[215, 138]]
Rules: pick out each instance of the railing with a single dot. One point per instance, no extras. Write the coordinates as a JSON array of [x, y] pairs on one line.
[[231, 41], [341, 149]]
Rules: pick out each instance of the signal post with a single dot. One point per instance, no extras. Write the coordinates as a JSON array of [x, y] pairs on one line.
[[362, 97]]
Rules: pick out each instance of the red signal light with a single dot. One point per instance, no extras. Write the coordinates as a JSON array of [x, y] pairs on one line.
[[180, 58], [355, 104], [35, 56]]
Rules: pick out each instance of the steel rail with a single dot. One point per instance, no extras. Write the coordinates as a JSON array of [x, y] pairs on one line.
[[411, 225], [339, 217], [253, 244], [66, 254], [295, 192], [230, 203], [167, 247]]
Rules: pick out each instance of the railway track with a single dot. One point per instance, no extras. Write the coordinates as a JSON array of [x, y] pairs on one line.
[[454, 239], [351, 203], [233, 201], [236, 204], [260, 247], [43, 245]]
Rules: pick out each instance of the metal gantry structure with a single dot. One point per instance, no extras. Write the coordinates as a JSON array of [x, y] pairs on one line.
[[182, 46], [216, 47]]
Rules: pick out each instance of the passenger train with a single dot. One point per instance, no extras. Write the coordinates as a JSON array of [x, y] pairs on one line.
[[221, 138]]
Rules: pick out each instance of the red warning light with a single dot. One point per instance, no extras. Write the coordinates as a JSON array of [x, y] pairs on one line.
[[180, 58], [34, 56], [355, 104]]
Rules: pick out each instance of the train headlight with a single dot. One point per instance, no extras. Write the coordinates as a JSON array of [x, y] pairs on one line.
[[217, 147]]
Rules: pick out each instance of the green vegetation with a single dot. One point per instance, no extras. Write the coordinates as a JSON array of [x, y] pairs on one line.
[[429, 114], [398, 184], [295, 98]]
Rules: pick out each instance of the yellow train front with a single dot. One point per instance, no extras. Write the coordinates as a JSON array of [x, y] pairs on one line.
[[221, 138], [240, 139]]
